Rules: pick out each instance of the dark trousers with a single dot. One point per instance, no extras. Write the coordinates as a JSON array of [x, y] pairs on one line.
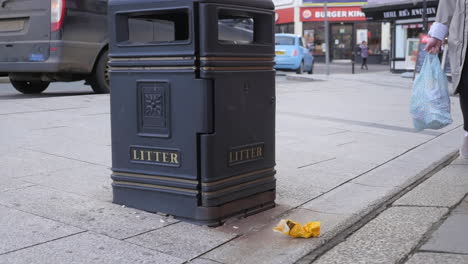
[[464, 103], [463, 90], [364, 63]]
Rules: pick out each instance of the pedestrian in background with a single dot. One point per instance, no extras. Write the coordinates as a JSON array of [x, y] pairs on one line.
[[452, 21], [364, 54]]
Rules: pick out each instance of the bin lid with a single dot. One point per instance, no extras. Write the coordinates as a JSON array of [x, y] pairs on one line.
[[264, 4]]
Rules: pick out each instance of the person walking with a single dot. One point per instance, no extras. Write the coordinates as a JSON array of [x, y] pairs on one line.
[[452, 21], [364, 54]]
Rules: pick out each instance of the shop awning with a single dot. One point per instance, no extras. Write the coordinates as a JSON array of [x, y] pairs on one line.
[[398, 9]]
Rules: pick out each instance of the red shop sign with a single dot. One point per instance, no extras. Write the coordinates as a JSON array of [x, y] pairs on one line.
[[284, 16], [345, 13]]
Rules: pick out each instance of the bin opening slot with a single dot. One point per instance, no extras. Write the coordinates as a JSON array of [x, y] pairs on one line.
[[236, 29], [158, 28]]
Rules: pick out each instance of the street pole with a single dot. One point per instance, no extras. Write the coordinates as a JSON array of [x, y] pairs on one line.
[[425, 22], [327, 39]]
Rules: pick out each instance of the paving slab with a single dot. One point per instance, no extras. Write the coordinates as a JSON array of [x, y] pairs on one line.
[[395, 174], [446, 188], [460, 161], [87, 248], [11, 107], [297, 186], [438, 258], [386, 239], [21, 230], [27, 162], [350, 198], [407, 168], [437, 149], [265, 246], [452, 235], [85, 213], [69, 148], [13, 184], [254, 223], [87, 180], [186, 241]]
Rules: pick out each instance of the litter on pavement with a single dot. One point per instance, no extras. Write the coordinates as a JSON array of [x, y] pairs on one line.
[[294, 229]]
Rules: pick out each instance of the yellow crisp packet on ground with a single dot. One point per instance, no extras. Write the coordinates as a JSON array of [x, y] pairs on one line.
[[294, 229]]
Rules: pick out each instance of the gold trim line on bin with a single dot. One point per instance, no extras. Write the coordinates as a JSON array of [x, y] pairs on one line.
[[237, 59], [239, 177], [239, 186], [155, 186], [236, 68], [147, 176], [151, 59], [126, 68]]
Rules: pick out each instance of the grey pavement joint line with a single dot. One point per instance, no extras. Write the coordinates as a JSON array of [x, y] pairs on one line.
[[347, 143], [441, 252], [315, 163], [354, 227], [338, 133], [149, 231], [45, 242], [218, 246], [148, 248], [47, 128], [43, 111], [419, 206], [315, 211], [42, 152]]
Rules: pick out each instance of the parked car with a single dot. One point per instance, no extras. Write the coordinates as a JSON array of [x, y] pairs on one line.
[[44, 41], [292, 55]]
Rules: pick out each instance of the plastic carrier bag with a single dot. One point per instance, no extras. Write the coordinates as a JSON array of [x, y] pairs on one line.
[[430, 102]]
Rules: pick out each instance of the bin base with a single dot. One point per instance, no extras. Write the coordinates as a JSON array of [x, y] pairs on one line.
[[186, 209]]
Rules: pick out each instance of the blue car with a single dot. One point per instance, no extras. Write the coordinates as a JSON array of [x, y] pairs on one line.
[[292, 55]]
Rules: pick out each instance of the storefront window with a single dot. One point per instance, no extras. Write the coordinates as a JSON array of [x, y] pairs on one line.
[[285, 28], [371, 32], [314, 37], [402, 34]]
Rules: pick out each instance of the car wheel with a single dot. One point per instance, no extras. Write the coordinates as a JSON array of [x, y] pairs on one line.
[[312, 69], [30, 87], [100, 77], [300, 70]]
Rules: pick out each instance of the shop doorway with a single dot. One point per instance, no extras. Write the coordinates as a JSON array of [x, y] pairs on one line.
[[342, 41]]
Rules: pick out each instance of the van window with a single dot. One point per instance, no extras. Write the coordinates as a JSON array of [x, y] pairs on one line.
[[169, 26], [235, 29]]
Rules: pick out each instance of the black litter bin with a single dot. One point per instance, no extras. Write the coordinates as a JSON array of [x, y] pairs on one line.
[[193, 107]]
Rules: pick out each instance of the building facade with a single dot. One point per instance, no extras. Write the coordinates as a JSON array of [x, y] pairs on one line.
[[348, 28], [406, 20]]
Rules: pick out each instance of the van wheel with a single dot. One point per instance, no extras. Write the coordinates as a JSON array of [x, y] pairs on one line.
[[300, 70], [30, 87], [100, 78]]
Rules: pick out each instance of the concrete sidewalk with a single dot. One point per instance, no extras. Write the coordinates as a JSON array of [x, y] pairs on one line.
[[426, 225], [344, 147]]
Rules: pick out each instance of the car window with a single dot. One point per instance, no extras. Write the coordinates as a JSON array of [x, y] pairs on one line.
[[283, 40], [301, 43]]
